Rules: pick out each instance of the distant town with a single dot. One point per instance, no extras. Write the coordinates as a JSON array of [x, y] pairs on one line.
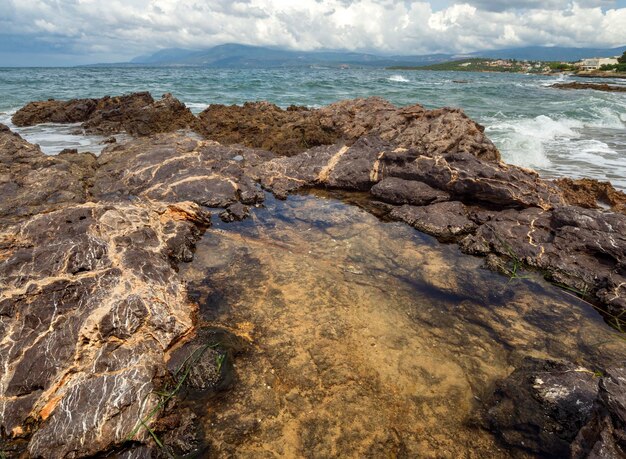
[[594, 66]]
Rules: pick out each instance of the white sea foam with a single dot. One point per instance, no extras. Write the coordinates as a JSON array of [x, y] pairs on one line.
[[196, 107], [524, 141], [398, 79]]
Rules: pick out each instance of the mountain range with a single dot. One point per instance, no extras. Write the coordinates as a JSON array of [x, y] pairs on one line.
[[245, 56]]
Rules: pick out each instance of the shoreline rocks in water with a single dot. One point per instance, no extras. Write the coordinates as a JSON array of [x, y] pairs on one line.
[[91, 307], [596, 86]]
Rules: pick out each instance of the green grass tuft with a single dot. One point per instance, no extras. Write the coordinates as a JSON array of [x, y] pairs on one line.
[[180, 376]]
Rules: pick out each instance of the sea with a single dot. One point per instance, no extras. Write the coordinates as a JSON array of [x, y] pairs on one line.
[[575, 133]]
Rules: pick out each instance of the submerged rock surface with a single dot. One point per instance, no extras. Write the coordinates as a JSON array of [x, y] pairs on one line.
[[92, 307]]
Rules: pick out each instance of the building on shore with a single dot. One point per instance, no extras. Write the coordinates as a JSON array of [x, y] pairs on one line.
[[595, 63]]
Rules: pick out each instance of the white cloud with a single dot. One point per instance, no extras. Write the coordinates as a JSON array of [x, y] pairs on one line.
[[122, 28]]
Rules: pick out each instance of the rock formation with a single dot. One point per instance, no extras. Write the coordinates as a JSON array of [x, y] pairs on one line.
[[596, 86], [91, 308], [138, 114], [291, 131], [558, 409]]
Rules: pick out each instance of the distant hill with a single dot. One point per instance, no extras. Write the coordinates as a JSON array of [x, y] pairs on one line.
[[244, 56]]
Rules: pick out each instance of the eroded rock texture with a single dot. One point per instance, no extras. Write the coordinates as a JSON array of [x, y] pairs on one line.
[[90, 304], [174, 167], [592, 194], [291, 131], [31, 182], [604, 436], [138, 114]]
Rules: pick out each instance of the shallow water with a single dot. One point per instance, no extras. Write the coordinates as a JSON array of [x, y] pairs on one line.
[[368, 338], [574, 133]]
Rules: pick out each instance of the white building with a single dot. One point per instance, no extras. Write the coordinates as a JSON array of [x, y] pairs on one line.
[[596, 62]]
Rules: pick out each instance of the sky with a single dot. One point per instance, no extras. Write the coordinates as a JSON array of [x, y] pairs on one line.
[[72, 32]]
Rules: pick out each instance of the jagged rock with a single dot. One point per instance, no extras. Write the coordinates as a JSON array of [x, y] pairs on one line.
[[264, 125], [542, 405], [591, 194], [174, 167], [398, 191], [77, 110], [605, 434], [291, 131], [584, 249], [235, 212], [165, 115], [89, 305], [444, 220], [469, 178], [429, 132], [31, 182], [354, 167], [138, 114]]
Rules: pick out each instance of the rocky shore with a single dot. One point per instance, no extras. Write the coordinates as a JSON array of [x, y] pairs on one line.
[[93, 312]]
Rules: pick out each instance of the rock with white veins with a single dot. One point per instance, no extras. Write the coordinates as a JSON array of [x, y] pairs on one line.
[[90, 305]]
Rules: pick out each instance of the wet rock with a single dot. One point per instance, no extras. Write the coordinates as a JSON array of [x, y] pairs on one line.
[[469, 178], [399, 191], [596, 86], [542, 405], [264, 125], [89, 305], [291, 131], [138, 114], [430, 132], [583, 249], [355, 167], [592, 194], [445, 220], [174, 167], [604, 436], [165, 115], [235, 212], [76, 110], [31, 182]]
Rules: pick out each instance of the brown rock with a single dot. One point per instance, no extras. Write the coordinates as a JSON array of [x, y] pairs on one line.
[[429, 132], [90, 304], [76, 110], [32, 182], [444, 220], [604, 436], [583, 249], [591, 194], [291, 131], [138, 114], [140, 119], [264, 125], [597, 86], [467, 177], [399, 191], [542, 405], [172, 168]]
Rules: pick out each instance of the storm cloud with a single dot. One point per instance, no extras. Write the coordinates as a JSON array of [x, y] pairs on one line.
[[81, 31]]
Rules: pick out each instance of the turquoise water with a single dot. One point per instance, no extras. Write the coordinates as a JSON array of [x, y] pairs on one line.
[[573, 133]]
